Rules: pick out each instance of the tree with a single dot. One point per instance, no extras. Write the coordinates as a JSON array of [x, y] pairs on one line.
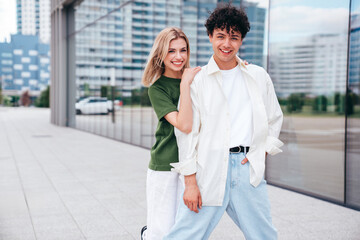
[[44, 99], [350, 102], [1, 96], [25, 99], [320, 104], [86, 90], [295, 102]]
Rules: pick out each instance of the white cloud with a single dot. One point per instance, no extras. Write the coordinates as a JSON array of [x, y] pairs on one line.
[[7, 19], [304, 21]]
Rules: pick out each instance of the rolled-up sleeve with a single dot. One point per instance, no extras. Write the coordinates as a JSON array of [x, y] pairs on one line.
[[275, 119], [187, 143]]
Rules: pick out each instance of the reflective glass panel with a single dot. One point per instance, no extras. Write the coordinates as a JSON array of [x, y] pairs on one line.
[[308, 65], [353, 111]]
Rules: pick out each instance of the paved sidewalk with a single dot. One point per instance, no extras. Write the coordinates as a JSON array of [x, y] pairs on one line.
[[61, 183]]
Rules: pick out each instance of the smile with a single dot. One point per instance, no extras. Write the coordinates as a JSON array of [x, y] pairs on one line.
[[224, 51], [177, 63]]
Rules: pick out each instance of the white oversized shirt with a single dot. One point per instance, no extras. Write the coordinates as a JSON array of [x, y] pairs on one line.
[[205, 151], [239, 104]]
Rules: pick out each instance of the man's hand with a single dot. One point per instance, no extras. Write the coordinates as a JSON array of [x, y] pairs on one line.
[[192, 196], [246, 160]]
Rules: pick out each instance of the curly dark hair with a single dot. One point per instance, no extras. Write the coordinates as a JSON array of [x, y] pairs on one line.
[[229, 18]]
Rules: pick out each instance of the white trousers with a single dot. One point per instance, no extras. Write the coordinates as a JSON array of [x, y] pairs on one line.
[[163, 192]]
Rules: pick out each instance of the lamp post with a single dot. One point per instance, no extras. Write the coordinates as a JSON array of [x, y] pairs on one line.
[[112, 84]]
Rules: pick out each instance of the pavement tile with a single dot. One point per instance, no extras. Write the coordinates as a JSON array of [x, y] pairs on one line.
[[59, 183]]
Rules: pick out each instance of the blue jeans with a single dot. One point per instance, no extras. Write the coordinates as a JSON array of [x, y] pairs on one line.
[[248, 207]]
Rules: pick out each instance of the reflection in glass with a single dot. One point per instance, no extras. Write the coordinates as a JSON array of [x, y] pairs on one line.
[[308, 65], [353, 111]]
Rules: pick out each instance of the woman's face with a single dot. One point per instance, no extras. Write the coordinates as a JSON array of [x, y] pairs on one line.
[[176, 58]]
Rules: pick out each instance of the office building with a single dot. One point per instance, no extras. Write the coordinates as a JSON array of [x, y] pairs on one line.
[[33, 18], [313, 66], [24, 65]]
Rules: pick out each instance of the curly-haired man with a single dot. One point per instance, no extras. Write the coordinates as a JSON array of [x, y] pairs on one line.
[[236, 123]]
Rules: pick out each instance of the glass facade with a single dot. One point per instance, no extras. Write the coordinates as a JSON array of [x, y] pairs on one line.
[[311, 49], [113, 39], [353, 110], [311, 57]]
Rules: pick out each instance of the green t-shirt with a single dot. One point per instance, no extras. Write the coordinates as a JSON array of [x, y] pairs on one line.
[[164, 96]]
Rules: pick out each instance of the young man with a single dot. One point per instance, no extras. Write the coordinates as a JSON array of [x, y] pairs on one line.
[[236, 123]]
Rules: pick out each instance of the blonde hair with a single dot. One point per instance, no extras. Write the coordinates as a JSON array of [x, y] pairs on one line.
[[155, 64]]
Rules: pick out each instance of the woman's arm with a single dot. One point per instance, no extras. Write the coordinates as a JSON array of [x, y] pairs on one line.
[[182, 119]]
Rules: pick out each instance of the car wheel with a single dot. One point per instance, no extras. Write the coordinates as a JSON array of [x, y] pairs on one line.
[[78, 111]]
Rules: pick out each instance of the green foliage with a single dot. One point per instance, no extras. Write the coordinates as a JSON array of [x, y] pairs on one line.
[[103, 91], [320, 104], [14, 101], [7, 101], [295, 102], [135, 96], [44, 99], [350, 102], [1, 96], [86, 90]]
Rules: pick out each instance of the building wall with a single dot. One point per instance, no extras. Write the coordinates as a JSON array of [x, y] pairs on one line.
[[24, 65], [308, 60], [33, 18]]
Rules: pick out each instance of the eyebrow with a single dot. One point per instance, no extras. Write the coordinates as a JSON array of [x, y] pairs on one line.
[[175, 48], [231, 35]]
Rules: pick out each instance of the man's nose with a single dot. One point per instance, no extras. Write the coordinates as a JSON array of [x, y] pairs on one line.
[[227, 42]]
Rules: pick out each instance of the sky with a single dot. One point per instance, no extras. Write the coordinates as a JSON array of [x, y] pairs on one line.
[[292, 19], [7, 19]]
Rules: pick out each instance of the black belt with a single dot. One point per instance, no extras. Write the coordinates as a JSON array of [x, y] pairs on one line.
[[239, 149]]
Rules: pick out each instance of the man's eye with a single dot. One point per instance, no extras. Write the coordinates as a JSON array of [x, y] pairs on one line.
[[235, 38]]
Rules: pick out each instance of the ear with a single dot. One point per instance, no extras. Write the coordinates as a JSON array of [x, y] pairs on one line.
[[210, 38]]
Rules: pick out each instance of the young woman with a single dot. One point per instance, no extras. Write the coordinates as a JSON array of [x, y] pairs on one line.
[[168, 76]]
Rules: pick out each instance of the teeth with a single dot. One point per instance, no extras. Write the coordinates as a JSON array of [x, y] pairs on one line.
[[177, 63], [225, 51]]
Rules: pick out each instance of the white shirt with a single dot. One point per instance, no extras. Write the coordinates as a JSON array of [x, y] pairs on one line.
[[205, 151], [239, 104]]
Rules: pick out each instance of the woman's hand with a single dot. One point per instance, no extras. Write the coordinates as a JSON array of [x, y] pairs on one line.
[[189, 74]]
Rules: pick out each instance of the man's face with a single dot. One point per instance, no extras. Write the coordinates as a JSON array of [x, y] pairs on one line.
[[225, 46]]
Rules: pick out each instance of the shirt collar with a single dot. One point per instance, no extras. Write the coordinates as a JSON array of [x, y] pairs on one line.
[[213, 67]]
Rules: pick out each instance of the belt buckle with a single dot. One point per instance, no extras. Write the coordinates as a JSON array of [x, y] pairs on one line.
[[239, 149]]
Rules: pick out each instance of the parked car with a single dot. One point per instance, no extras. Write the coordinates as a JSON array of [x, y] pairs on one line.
[[93, 105], [117, 105], [96, 105]]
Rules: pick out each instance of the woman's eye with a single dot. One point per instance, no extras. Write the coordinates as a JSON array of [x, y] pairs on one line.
[[171, 51]]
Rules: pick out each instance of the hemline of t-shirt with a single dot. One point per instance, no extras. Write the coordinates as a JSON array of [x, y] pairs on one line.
[[155, 167], [165, 112]]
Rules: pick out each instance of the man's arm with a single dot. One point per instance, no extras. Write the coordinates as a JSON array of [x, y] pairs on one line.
[[275, 119], [187, 144]]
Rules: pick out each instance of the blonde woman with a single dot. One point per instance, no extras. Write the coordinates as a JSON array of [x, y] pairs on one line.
[[168, 76]]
